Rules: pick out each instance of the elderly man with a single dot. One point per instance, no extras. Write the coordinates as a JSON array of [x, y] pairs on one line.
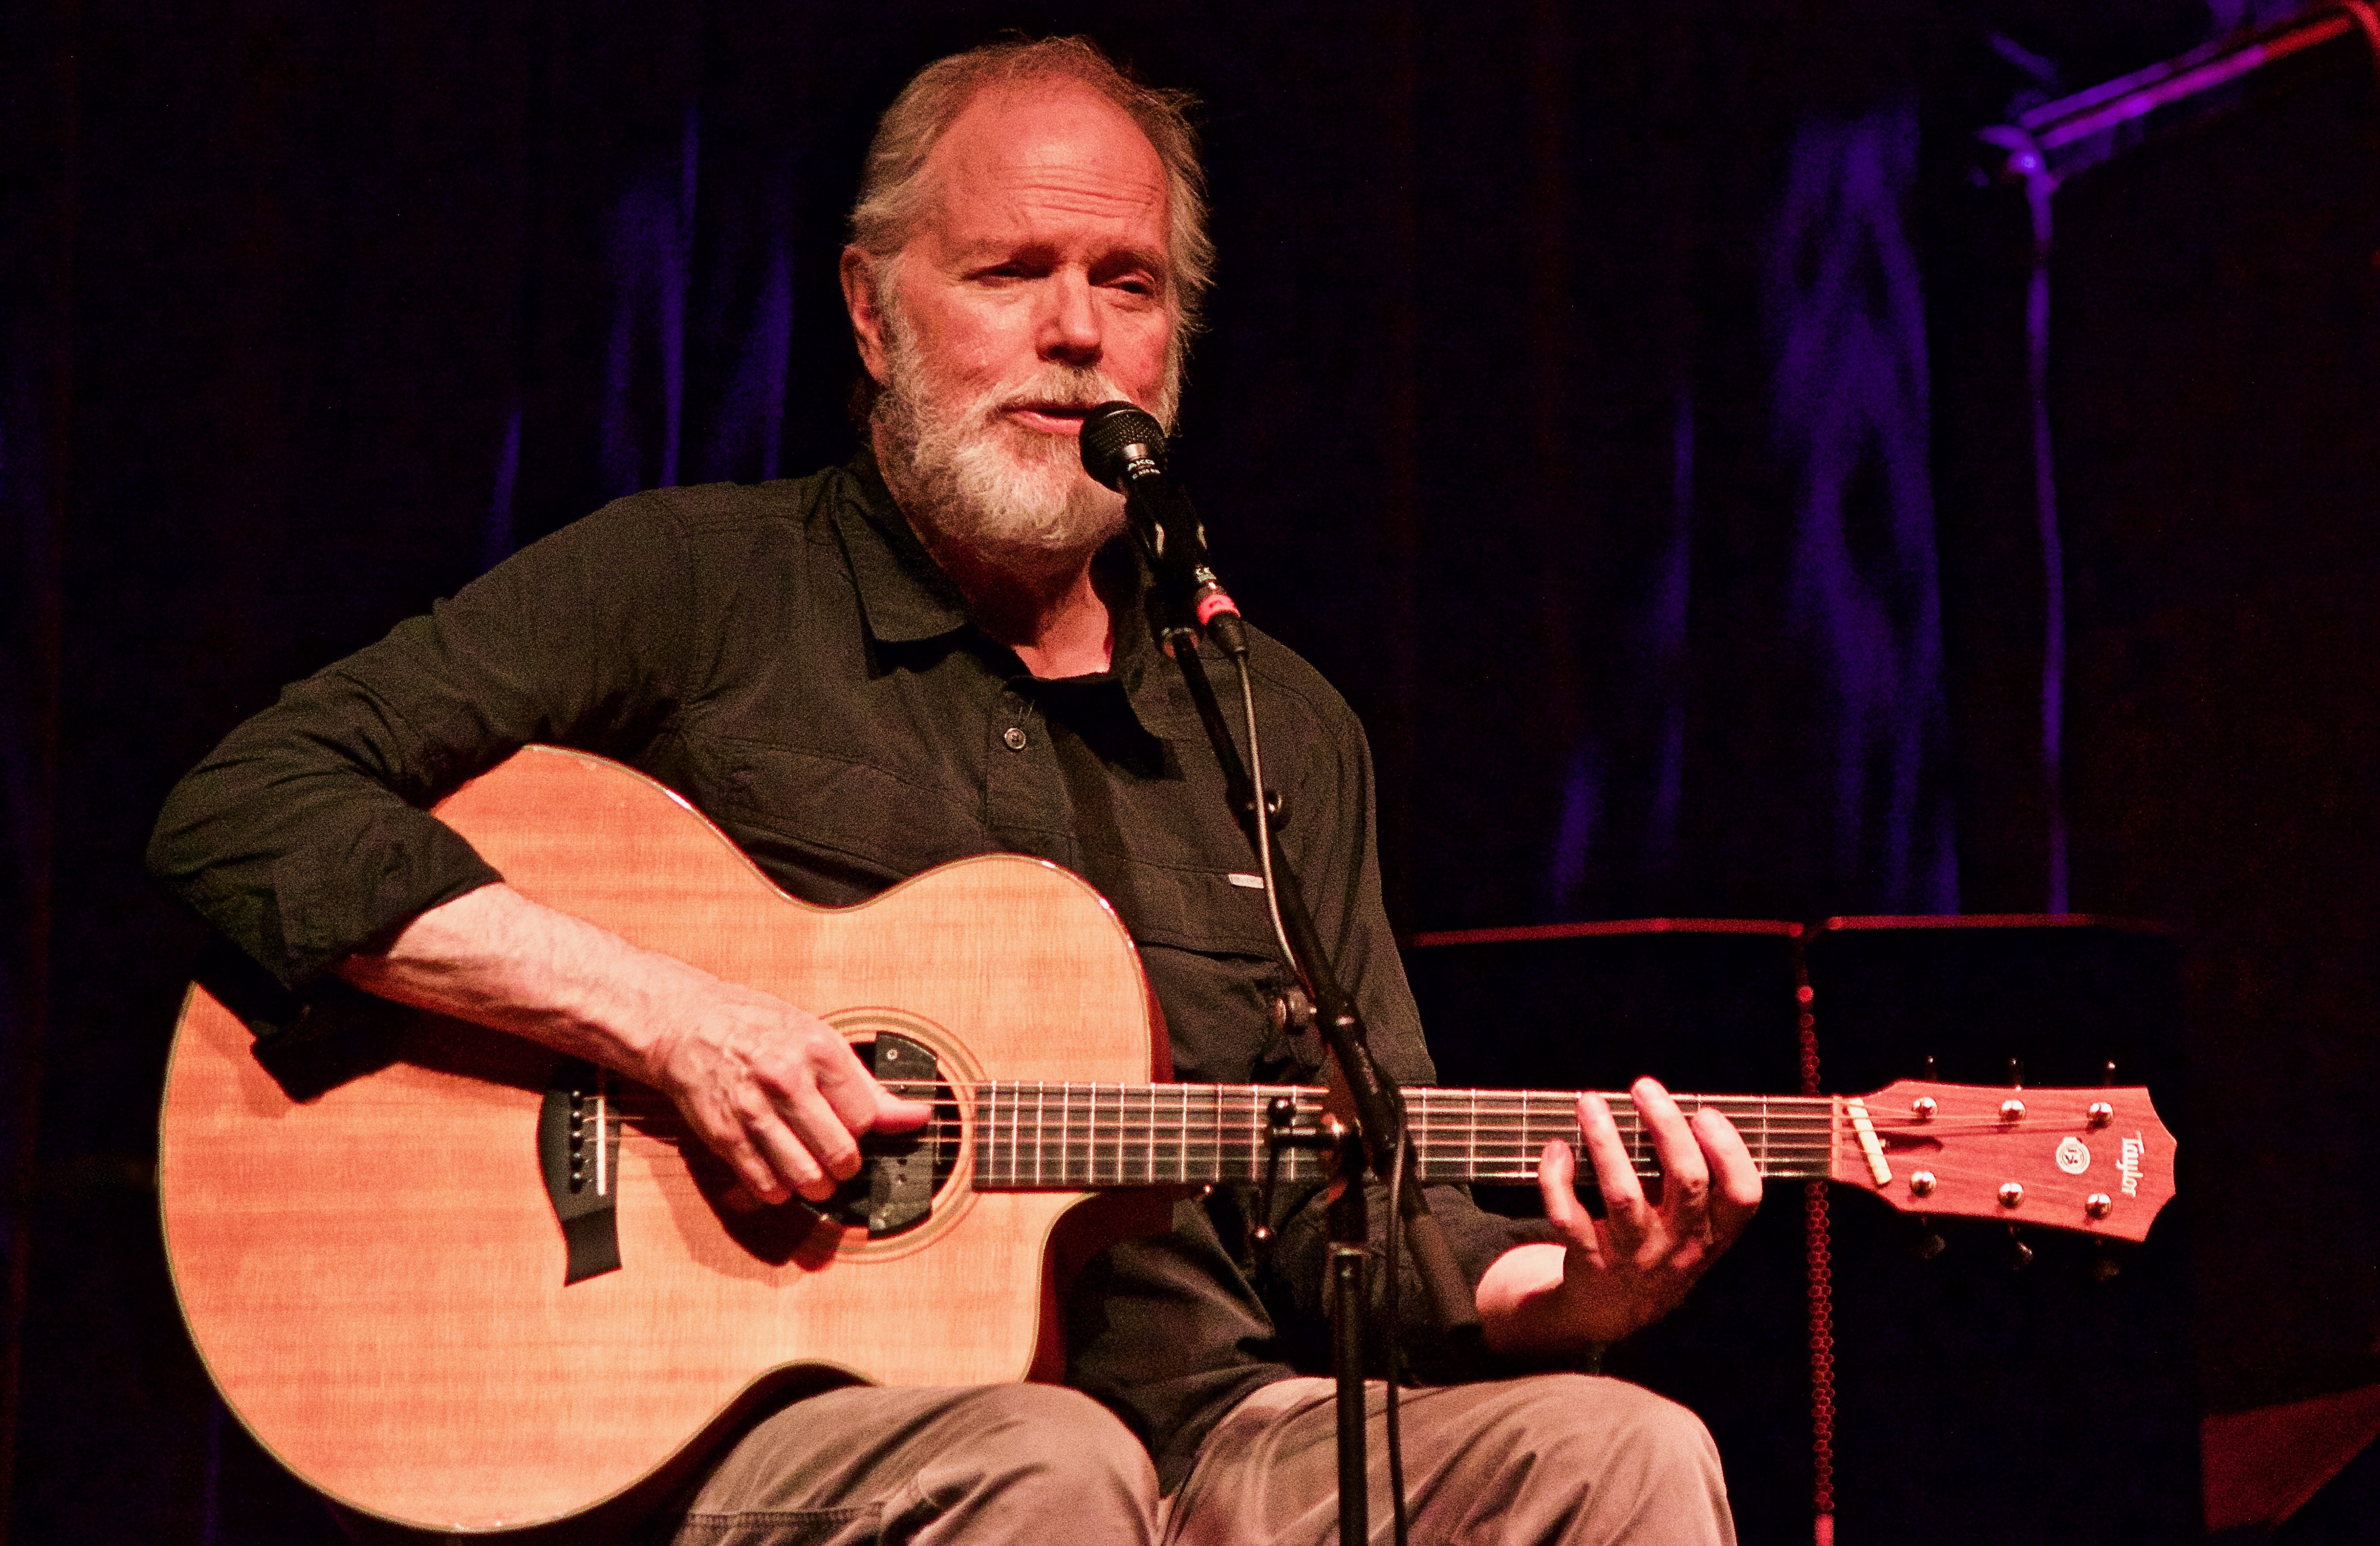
[[932, 652]]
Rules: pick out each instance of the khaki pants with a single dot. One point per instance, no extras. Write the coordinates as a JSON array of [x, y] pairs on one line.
[[1567, 1459]]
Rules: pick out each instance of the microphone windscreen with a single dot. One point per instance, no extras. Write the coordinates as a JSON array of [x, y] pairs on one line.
[[1108, 429]]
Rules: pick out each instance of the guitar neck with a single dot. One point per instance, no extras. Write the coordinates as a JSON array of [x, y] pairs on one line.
[[1035, 1135]]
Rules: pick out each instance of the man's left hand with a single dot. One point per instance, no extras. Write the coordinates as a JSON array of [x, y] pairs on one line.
[[1614, 1276]]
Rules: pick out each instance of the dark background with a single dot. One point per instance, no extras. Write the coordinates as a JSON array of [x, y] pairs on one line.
[[1625, 406]]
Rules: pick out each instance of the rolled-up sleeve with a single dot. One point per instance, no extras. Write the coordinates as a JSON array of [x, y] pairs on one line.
[[305, 835]]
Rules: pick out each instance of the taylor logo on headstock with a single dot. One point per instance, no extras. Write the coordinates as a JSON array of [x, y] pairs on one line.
[[2128, 1167], [2074, 1157]]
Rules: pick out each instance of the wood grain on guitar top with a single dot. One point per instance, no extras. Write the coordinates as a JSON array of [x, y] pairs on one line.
[[375, 1276]]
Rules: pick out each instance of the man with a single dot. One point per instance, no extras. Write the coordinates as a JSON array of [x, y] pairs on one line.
[[933, 651]]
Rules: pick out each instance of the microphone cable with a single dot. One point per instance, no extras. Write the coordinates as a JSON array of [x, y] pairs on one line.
[[1389, 1296]]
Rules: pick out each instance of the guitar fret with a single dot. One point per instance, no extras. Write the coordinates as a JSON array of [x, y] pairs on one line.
[[1183, 1134]]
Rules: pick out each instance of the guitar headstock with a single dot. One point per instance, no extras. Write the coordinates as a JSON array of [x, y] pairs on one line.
[[2095, 1160]]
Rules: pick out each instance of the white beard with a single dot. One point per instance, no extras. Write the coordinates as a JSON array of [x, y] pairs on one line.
[[1018, 499]]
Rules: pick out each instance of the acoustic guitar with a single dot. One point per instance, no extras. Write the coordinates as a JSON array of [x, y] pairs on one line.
[[457, 1284]]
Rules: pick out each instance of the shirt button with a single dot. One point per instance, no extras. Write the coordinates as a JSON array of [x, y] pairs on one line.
[[1014, 738]]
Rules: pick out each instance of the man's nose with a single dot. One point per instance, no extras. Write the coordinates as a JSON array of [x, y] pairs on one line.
[[1070, 325]]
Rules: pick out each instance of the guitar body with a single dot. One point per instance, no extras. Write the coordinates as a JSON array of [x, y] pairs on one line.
[[374, 1274]]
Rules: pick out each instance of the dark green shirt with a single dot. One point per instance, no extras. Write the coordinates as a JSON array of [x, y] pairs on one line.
[[789, 658]]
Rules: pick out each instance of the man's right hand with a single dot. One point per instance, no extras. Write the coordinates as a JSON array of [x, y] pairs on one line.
[[773, 1090]]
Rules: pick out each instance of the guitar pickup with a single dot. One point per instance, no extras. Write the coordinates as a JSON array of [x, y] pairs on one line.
[[898, 1172]]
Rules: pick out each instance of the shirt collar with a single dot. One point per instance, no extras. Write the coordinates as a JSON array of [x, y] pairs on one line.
[[905, 597]]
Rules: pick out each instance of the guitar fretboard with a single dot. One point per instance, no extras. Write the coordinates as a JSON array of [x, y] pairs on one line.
[[1040, 1136]]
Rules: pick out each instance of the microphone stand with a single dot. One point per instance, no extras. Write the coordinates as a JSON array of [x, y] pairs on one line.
[[1183, 583]]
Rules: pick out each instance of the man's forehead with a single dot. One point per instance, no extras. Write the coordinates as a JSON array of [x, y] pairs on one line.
[[1056, 146]]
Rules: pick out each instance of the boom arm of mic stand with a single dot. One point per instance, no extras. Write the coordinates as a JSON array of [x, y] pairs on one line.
[[1379, 1105]]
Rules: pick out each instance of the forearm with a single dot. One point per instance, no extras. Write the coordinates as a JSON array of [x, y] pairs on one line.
[[496, 958], [773, 1090]]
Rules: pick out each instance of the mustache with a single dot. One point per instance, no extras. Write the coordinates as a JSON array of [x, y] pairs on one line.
[[1064, 386]]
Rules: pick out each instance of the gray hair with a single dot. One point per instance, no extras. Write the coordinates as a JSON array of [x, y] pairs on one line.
[[892, 191]]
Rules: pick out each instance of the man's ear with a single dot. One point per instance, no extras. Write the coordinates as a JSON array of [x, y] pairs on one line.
[[867, 316]]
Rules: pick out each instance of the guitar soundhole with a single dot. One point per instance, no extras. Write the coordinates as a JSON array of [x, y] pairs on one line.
[[900, 1174]]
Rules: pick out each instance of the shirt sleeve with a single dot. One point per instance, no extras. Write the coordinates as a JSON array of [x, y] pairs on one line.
[[306, 835]]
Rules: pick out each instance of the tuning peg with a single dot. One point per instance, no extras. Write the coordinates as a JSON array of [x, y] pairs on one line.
[[1932, 1073], [1926, 1243], [2107, 1074], [2020, 1254], [2016, 1074], [2105, 1262]]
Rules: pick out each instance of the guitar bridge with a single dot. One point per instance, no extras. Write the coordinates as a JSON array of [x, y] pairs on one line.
[[578, 1149]]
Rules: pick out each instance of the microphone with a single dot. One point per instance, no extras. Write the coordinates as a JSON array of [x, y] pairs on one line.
[[1124, 449]]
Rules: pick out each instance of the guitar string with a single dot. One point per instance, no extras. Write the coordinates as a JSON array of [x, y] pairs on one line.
[[1504, 1110], [1086, 1140], [1492, 1138], [1497, 1108], [1505, 1107], [1536, 1136], [1168, 1133], [1514, 1123], [1528, 1128]]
